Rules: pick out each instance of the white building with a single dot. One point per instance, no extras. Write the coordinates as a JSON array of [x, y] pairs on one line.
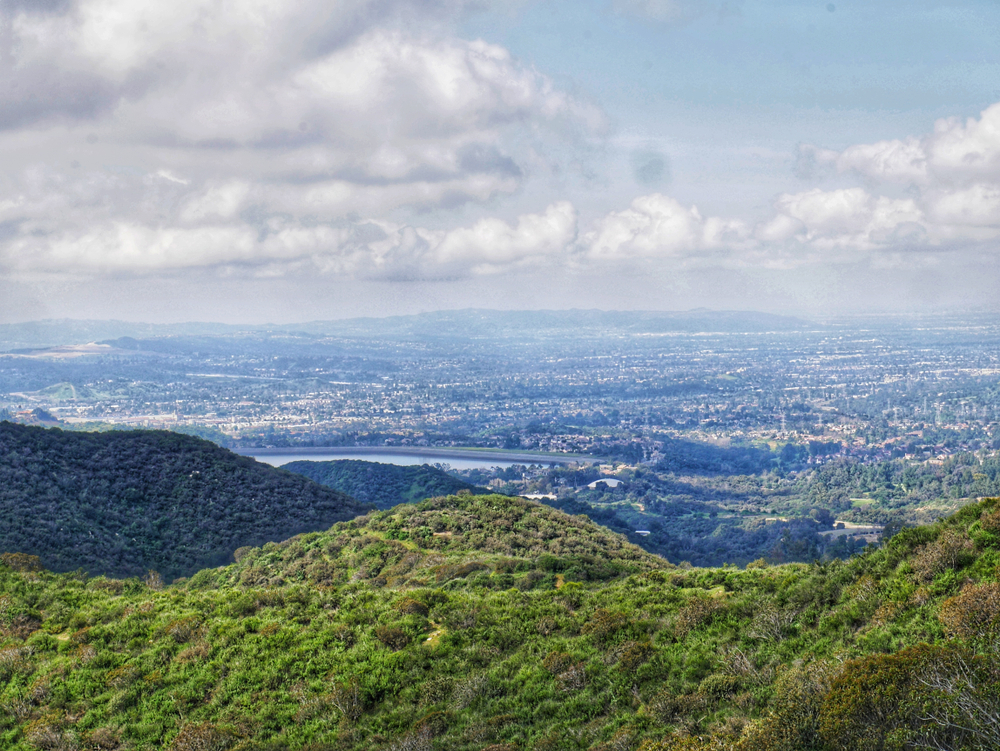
[[609, 482]]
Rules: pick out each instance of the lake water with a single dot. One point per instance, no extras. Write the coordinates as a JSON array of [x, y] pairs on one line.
[[457, 459]]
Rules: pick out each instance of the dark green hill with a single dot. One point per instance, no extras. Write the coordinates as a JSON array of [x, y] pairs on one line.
[[384, 485], [521, 630], [124, 502]]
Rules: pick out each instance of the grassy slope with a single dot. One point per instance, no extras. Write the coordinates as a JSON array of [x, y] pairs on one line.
[[457, 624], [124, 502], [384, 485]]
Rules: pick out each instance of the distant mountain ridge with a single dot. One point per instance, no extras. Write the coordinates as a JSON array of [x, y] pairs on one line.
[[476, 323], [125, 502], [461, 323], [469, 323], [57, 332]]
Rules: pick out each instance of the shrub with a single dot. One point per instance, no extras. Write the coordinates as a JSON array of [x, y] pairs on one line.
[[182, 629], [500, 721], [794, 720], [103, 739], [411, 606], [153, 580], [458, 570], [623, 740], [13, 661], [632, 654], [546, 625], [876, 697], [718, 686], [604, 625], [474, 688], [392, 637], [556, 662], [418, 741], [949, 551], [990, 520], [735, 662], [22, 562], [203, 737], [770, 623], [348, 699], [433, 723], [571, 594], [678, 743], [114, 586], [698, 612], [974, 613], [669, 708], [122, 677], [49, 737], [342, 633], [437, 689], [573, 678]]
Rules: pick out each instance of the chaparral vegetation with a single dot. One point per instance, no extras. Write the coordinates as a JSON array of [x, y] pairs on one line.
[[489, 622]]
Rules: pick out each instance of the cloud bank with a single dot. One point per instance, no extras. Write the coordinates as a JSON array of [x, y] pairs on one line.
[[261, 133], [345, 139]]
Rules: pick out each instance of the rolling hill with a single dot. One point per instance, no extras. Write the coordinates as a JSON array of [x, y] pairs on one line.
[[124, 502], [473, 623], [383, 485]]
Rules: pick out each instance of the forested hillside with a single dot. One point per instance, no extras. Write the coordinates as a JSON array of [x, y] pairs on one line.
[[384, 485], [125, 502], [487, 622]]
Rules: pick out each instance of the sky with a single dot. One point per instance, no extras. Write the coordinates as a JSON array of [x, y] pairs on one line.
[[299, 160]]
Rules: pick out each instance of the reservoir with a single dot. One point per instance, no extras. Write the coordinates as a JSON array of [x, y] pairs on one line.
[[408, 455]]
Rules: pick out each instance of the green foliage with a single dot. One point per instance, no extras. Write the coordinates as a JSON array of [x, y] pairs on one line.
[[974, 613], [125, 502], [436, 626], [383, 485], [923, 696], [462, 541]]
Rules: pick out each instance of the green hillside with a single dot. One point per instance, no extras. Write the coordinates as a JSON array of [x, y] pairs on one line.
[[124, 502], [383, 485], [488, 622]]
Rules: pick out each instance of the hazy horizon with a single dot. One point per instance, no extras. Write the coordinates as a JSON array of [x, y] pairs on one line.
[[819, 320]]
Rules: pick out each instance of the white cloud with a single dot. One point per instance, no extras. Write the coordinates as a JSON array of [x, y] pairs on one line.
[[955, 151], [656, 227], [972, 207], [343, 85], [366, 249], [268, 129], [279, 137], [128, 247], [969, 150], [492, 245], [388, 103], [780, 229], [216, 202], [953, 180], [805, 227], [851, 220], [903, 160]]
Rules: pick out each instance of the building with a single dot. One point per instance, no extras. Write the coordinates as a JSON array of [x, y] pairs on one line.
[[609, 482]]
